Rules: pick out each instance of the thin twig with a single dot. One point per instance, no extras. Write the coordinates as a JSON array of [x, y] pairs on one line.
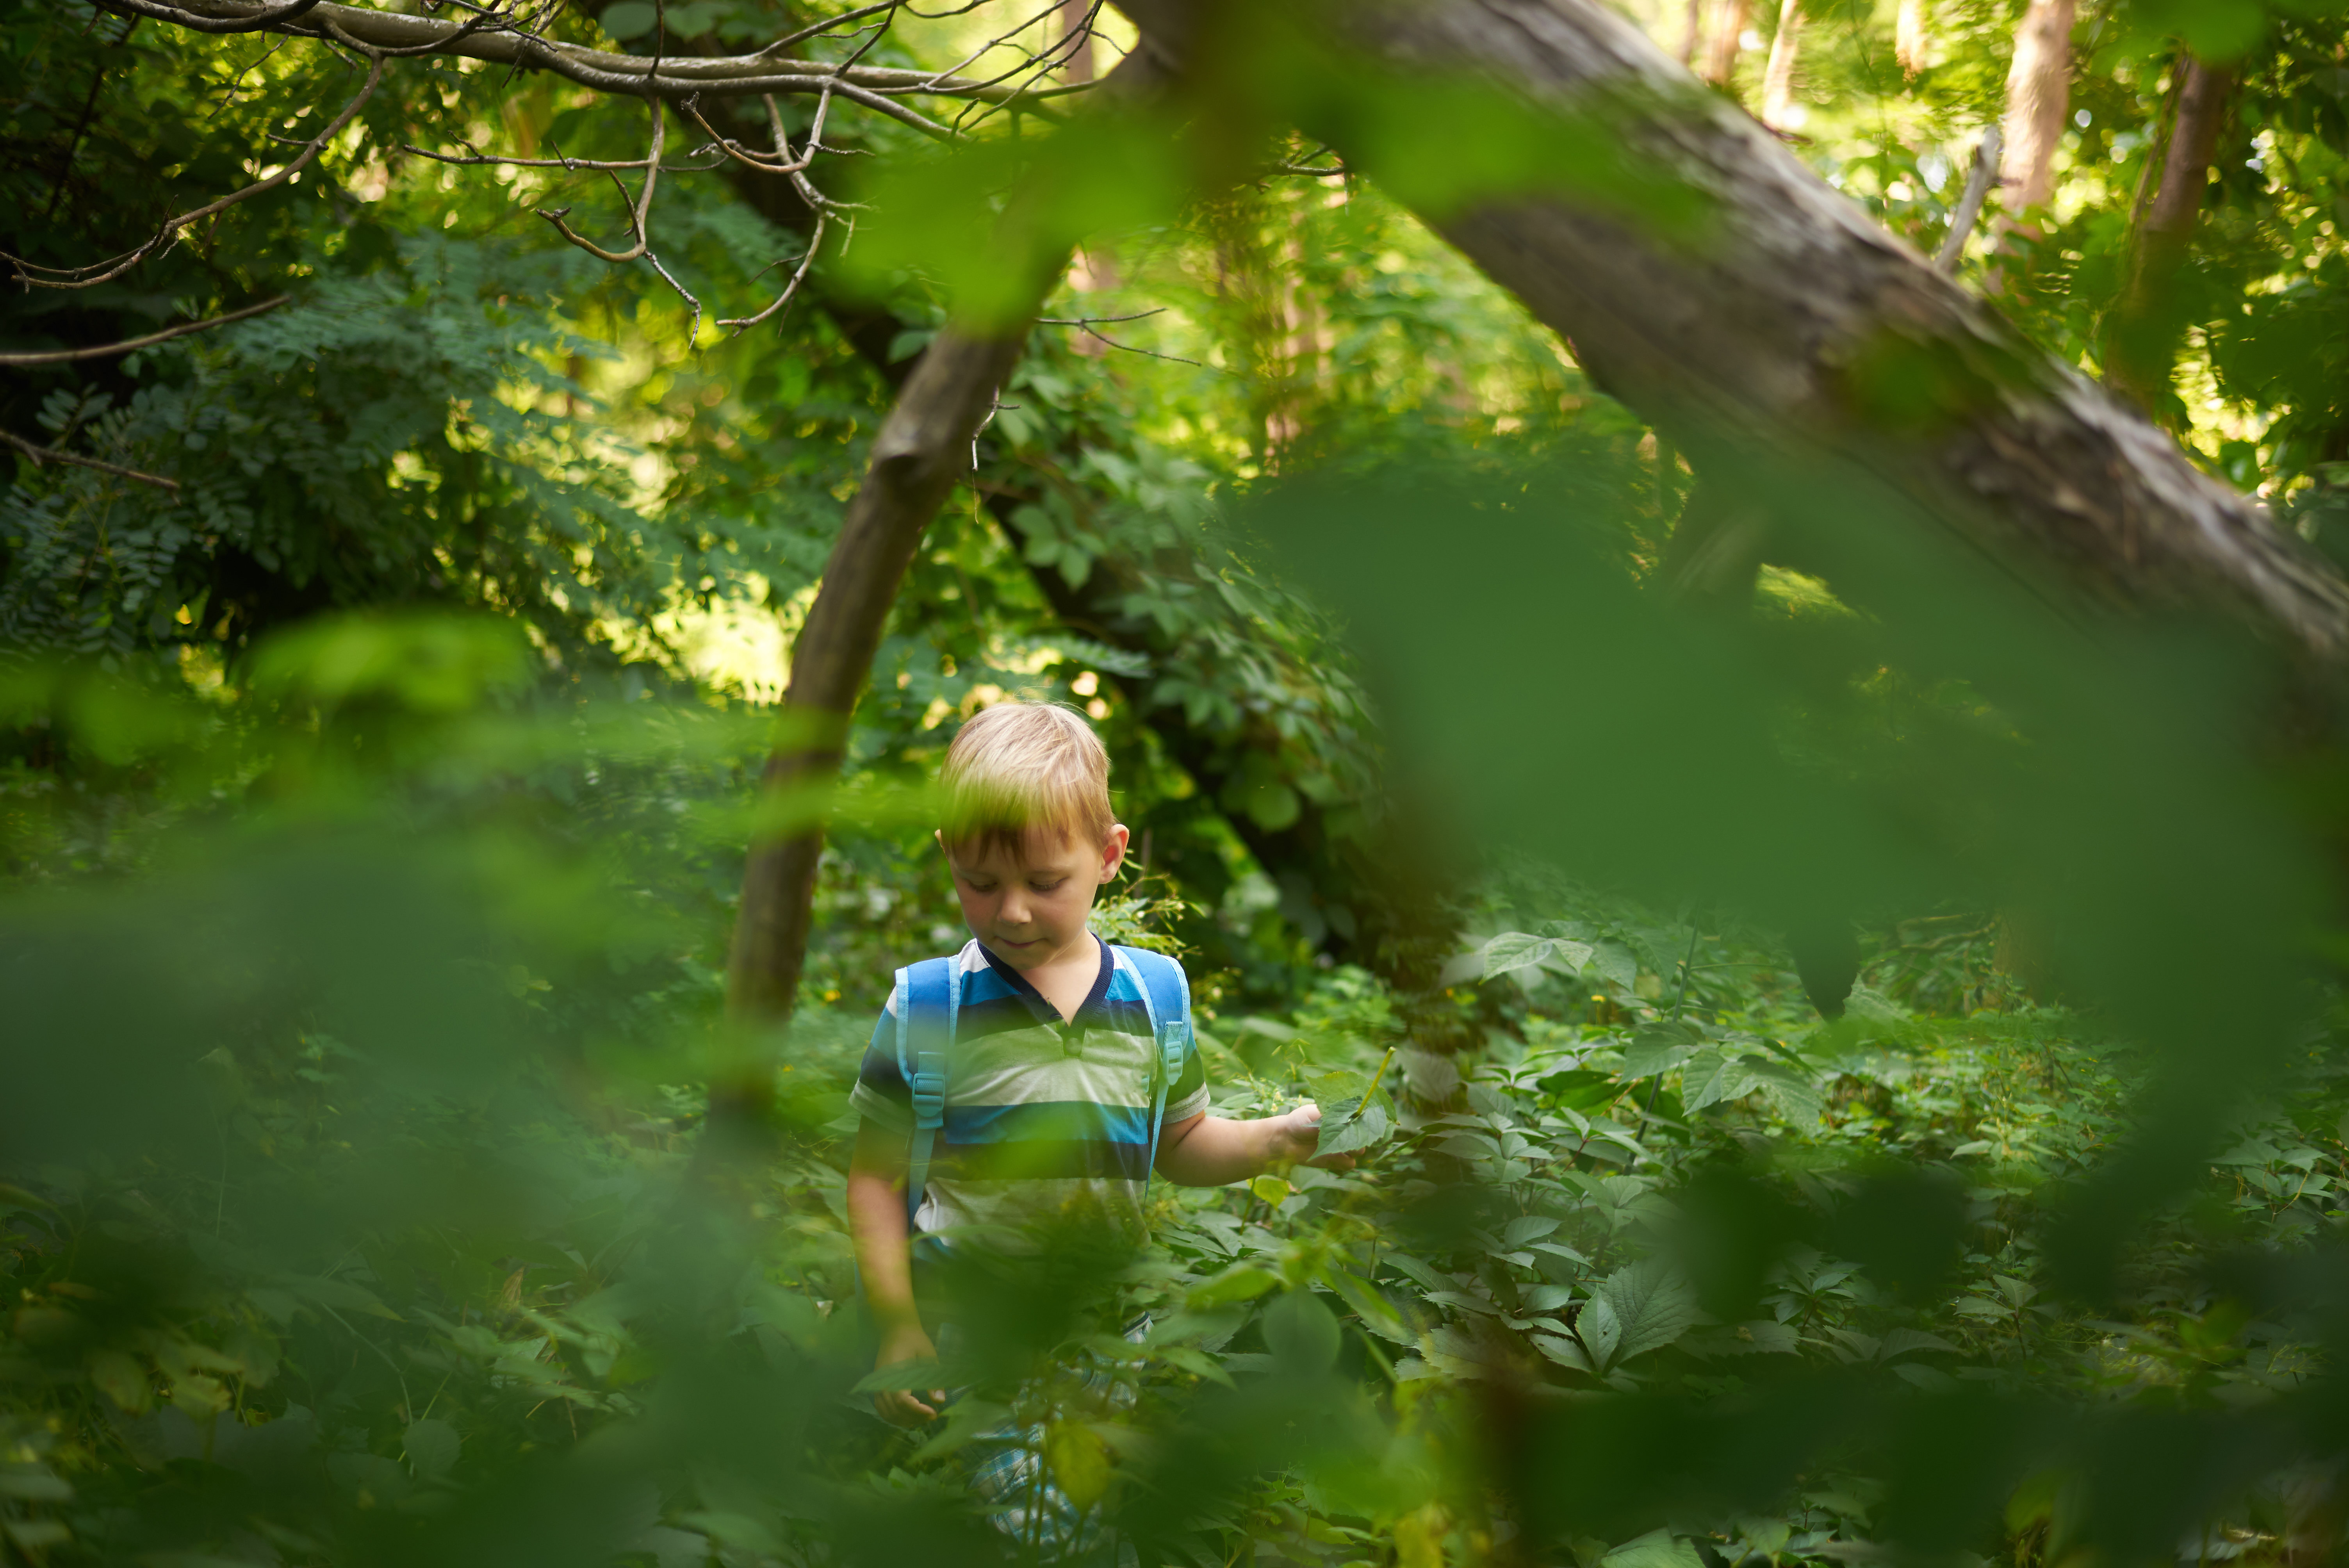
[[815, 242], [44, 455], [106, 351], [1127, 347], [637, 211]]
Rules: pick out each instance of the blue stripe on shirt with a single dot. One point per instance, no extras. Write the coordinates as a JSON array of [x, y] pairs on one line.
[[1062, 1121]]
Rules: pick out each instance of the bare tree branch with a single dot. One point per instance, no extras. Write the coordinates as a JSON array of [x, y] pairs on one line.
[[815, 242], [493, 36], [1981, 175], [261, 21], [108, 350], [637, 211], [45, 455]]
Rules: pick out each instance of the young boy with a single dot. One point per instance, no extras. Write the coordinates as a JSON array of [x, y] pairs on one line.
[[1051, 1074]]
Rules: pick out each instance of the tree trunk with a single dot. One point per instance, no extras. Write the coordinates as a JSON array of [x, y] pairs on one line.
[[1691, 28], [922, 450], [1908, 38], [1757, 347], [1778, 77], [1728, 33], [1370, 918], [2038, 101], [1077, 36], [2141, 339]]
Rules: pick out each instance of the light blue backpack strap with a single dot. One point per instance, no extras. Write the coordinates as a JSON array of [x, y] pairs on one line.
[[1166, 997], [928, 1004]]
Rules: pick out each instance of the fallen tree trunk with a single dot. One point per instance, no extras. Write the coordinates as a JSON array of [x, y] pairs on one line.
[[1762, 345]]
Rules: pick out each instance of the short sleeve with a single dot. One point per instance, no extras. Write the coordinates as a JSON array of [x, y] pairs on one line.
[[1188, 1097], [881, 1094]]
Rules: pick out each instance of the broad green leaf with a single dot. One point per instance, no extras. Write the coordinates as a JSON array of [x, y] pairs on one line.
[[1658, 1050], [1600, 1331], [1424, 1277], [1302, 1330], [1377, 1312], [1709, 1078], [1797, 1096], [432, 1446], [1350, 1124], [1243, 1281], [122, 1380], [1528, 1228], [1079, 1460], [1614, 963], [1581, 1088], [1657, 1549], [1515, 950], [1652, 1305], [1196, 1362], [1565, 1352]]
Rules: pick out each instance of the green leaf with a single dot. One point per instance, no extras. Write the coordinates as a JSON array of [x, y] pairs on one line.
[[122, 1380], [1300, 1329], [432, 1448], [1242, 1282], [1424, 1277], [1528, 1228], [628, 19], [1652, 1305], [1615, 965], [1369, 1304], [1580, 1089], [1600, 1332], [1657, 1549], [1349, 1125], [1656, 1051], [1565, 1352], [1198, 1362], [1515, 950]]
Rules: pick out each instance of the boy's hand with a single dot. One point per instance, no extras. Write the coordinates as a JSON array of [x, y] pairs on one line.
[[899, 1407], [1294, 1137]]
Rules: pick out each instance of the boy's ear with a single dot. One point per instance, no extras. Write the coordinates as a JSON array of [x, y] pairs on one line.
[[1114, 850]]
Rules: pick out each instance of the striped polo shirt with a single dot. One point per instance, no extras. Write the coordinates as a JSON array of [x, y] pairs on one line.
[[1043, 1117]]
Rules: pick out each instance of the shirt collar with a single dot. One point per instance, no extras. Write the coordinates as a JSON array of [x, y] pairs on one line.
[[1045, 1012]]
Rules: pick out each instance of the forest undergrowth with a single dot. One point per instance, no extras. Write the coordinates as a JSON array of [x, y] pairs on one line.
[[426, 1253]]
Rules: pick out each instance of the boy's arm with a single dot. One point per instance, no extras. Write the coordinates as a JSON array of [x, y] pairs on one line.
[[877, 1223], [1210, 1152]]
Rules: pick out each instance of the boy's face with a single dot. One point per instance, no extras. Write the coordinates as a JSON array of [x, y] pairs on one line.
[[1030, 908]]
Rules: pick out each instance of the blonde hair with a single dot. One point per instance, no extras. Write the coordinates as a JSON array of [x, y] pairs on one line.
[[1019, 766]]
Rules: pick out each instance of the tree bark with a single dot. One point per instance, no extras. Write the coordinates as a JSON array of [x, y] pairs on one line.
[[921, 451], [1778, 77], [2038, 101], [1910, 38], [1723, 49], [1077, 36], [2141, 339], [1752, 347]]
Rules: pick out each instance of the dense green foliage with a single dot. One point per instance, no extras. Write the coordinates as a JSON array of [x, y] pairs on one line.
[[374, 808]]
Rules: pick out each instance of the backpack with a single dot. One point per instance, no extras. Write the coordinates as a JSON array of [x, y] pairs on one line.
[[928, 1000]]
